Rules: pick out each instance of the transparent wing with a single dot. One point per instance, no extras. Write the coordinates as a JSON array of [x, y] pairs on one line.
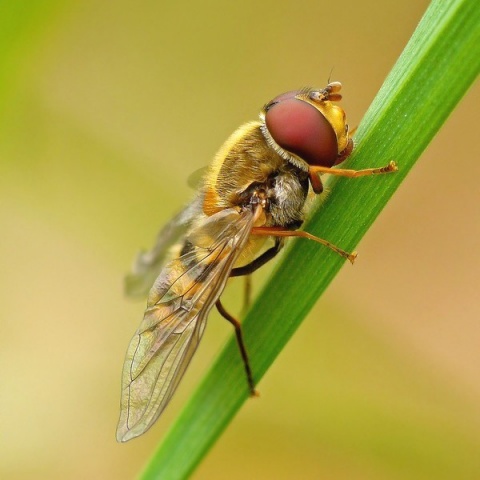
[[196, 179], [175, 318], [148, 264]]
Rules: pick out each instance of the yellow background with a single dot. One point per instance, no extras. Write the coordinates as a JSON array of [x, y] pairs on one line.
[[106, 108]]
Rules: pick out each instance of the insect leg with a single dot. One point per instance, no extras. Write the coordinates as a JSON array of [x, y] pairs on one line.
[[315, 182], [251, 267], [391, 167], [280, 232], [247, 293], [261, 260], [241, 345]]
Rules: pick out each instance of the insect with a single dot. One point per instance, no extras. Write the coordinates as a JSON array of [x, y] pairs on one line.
[[254, 192]]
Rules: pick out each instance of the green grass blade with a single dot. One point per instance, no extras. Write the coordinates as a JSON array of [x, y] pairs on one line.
[[437, 67]]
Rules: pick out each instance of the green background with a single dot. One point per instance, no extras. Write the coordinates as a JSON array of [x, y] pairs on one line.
[[105, 111]]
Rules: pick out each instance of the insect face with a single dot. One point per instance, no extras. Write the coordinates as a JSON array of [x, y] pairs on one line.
[[309, 127]]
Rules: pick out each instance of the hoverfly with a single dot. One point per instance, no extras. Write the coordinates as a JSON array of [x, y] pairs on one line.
[[255, 189]]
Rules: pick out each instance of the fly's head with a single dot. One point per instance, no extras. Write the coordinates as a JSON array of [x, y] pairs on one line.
[[306, 128]]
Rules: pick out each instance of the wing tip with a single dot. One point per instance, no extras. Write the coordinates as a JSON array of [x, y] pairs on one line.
[[124, 434]]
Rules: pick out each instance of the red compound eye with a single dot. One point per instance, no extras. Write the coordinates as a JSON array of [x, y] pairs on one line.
[[300, 128]]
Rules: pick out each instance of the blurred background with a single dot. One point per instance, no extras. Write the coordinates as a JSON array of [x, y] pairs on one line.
[[105, 110]]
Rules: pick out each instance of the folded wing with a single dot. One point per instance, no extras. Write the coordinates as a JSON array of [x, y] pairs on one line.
[[175, 318]]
